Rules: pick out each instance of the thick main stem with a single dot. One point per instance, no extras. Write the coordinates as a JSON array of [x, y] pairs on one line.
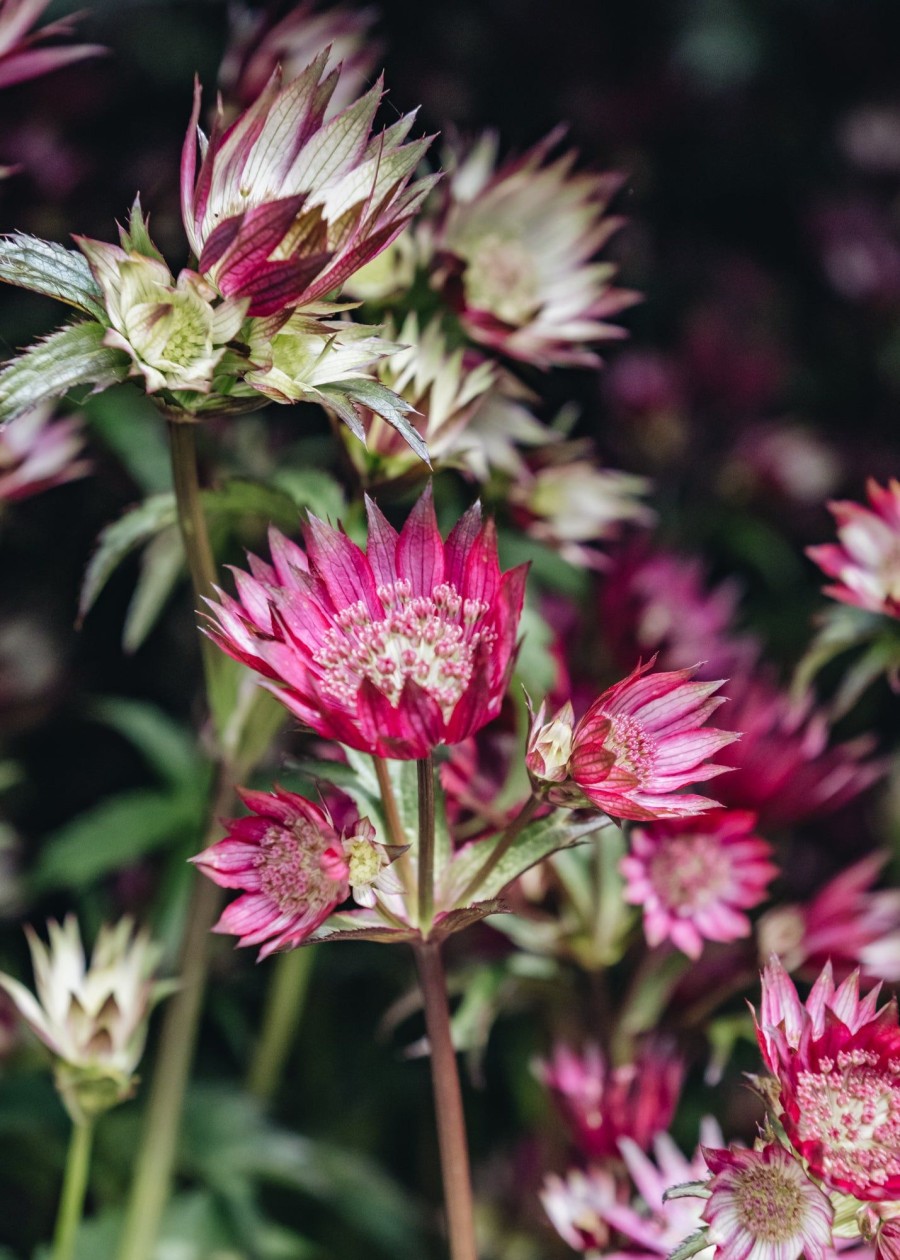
[[425, 769], [285, 1001], [451, 1125], [75, 1179]]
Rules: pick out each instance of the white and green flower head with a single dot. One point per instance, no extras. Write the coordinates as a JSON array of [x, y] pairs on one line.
[[91, 1016], [175, 331]]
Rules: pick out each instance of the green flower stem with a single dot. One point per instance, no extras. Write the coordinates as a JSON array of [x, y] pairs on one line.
[[500, 849], [396, 832], [285, 1000], [425, 769], [448, 1108], [75, 1179]]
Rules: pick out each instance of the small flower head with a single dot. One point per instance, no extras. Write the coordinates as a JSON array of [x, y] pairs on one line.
[[91, 1016], [866, 561], [305, 358], [519, 243], [763, 1206], [290, 863], [550, 745], [836, 1058], [37, 452], [696, 877], [392, 651], [287, 204], [369, 864], [642, 740], [175, 332], [603, 1104]]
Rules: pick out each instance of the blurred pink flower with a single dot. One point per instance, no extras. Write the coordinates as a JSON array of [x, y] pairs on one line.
[[602, 1104], [762, 1204], [695, 878], [866, 561], [393, 650], [37, 452], [287, 203], [290, 863], [517, 245], [20, 56]]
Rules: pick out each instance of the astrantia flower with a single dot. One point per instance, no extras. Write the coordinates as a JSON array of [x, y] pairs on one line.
[[639, 743], [20, 58], [836, 1058], [290, 862], [175, 332], [518, 245], [762, 1206], [369, 864], [603, 1104], [393, 650], [286, 205], [866, 561], [695, 878], [37, 452], [92, 1017]]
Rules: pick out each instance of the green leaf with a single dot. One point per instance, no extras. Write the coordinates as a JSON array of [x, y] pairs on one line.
[[131, 427], [119, 539], [170, 749], [73, 355], [392, 408], [48, 268], [313, 489], [162, 564], [537, 841], [238, 498], [116, 833]]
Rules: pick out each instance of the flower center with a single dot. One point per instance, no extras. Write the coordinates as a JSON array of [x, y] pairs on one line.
[[633, 747], [852, 1106], [689, 872], [291, 868], [769, 1205], [430, 640], [501, 278]]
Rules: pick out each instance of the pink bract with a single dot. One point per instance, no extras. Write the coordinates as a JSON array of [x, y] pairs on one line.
[[20, 56], [392, 651], [866, 561], [696, 877], [287, 203], [38, 452], [641, 741], [288, 859], [837, 1061]]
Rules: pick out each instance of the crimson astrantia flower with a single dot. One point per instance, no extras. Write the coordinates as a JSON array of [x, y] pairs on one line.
[[866, 561], [287, 205], [642, 740], [837, 1061], [695, 877], [290, 862], [603, 1104], [392, 651], [763, 1206]]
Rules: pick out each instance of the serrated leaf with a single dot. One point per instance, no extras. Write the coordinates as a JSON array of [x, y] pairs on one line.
[[120, 539], [169, 748], [162, 563], [691, 1245], [48, 268], [115, 834], [686, 1190], [537, 841], [73, 355], [392, 408]]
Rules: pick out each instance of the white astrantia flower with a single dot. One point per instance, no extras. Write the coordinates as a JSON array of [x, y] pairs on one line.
[[91, 1016], [175, 332], [370, 864], [296, 358]]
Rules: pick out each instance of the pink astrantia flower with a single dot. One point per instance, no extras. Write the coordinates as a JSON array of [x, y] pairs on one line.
[[20, 56], [640, 742], [391, 651], [866, 561], [518, 246], [836, 1058], [287, 205], [763, 1206], [695, 878], [603, 1104], [586, 1207], [37, 452], [848, 922], [290, 862]]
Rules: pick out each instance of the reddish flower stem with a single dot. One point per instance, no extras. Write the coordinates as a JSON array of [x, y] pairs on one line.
[[451, 1125]]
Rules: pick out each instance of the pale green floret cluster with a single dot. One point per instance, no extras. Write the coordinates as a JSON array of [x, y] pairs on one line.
[[306, 354]]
